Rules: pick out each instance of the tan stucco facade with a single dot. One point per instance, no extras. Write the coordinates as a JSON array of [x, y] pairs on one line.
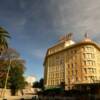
[[72, 63]]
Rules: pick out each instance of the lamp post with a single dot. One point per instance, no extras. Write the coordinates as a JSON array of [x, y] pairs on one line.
[[7, 76], [5, 85]]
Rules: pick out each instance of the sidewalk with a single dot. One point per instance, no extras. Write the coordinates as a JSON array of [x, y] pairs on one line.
[[26, 97]]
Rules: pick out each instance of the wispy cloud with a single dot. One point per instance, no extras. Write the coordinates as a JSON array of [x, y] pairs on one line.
[[76, 16], [38, 53]]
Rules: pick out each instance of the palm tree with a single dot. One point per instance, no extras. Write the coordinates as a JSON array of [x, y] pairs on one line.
[[4, 35]]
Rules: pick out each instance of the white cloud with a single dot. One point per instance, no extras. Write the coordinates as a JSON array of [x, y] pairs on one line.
[[22, 4], [77, 16], [38, 53]]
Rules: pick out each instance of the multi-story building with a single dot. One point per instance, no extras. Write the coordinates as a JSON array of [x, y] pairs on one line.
[[72, 63]]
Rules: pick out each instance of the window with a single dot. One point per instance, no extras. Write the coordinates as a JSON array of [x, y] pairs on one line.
[[86, 78], [83, 48], [68, 66], [93, 70], [72, 66], [85, 70], [77, 79], [75, 51], [85, 63], [90, 62], [88, 48], [76, 72], [72, 72], [76, 65], [57, 57], [62, 60], [84, 55], [88, 55], [68, 72]]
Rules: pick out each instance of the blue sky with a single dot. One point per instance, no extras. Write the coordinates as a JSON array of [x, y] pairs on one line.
[[35, 25]]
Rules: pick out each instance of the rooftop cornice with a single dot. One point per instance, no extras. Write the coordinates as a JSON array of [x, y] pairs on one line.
[[72, 46]]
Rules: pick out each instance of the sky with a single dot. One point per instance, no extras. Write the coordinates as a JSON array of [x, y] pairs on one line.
[[36, 25]]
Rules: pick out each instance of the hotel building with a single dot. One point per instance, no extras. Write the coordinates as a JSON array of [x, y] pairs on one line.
[[72, 63]]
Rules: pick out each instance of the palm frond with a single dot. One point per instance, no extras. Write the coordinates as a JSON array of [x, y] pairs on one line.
[[2, 30], [4, 35]]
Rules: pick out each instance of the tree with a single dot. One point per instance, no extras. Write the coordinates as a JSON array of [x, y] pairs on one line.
[[62, 86], [3, 72], [4, 35], [39, 84], [16, 79], [36, 84]]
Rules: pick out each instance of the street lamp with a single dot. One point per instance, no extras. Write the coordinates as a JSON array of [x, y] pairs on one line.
[[5, 85]]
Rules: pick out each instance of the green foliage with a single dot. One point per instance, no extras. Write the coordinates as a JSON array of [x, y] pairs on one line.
[[53, 91], [62, 86], [39, 84], [4, 35], [2, 82], [3, 70], [36, 84], [16, 79]]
